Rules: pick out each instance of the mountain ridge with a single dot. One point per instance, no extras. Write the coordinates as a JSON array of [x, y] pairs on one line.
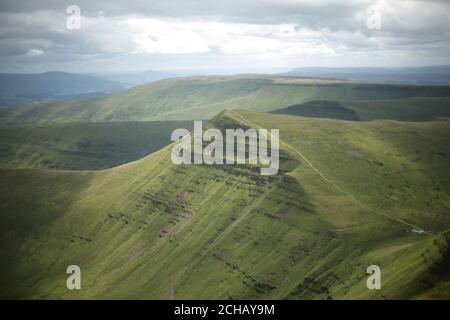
[[150, 229], [196, 98]]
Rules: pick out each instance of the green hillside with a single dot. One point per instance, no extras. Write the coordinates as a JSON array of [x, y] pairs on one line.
[[203, 97], [408, 109], [320, 109], [350, 194], [82, 146]]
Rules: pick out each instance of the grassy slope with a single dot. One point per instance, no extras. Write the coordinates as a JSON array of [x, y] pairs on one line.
[[150, 229], [408, 109], [203, 97], [82, 146]]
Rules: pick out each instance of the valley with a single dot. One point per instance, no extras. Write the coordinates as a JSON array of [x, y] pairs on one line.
[[82, 146]]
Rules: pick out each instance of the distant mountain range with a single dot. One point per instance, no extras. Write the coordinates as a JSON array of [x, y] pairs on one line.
[[17, 89], [203, 97], [439, 75], [51, 86]]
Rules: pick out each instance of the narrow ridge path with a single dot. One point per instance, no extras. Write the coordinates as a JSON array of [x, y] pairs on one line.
[[415, 228]]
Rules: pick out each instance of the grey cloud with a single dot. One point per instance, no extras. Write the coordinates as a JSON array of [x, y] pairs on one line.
[[408, 26]]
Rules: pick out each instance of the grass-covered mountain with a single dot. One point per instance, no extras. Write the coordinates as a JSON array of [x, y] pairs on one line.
[[204, 97], [16, 88], [82, 146], [350, 194]]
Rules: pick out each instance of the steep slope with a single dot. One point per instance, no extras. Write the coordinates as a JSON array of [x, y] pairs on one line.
[[203, 97], [82, 146], [350, 194]]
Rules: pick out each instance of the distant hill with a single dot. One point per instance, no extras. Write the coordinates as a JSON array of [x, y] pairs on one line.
[[320, 109], [418, 76], [203, 97], [51, 86], [132, 79]]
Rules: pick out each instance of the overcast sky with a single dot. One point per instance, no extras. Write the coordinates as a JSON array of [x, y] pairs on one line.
[[221, 34]]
